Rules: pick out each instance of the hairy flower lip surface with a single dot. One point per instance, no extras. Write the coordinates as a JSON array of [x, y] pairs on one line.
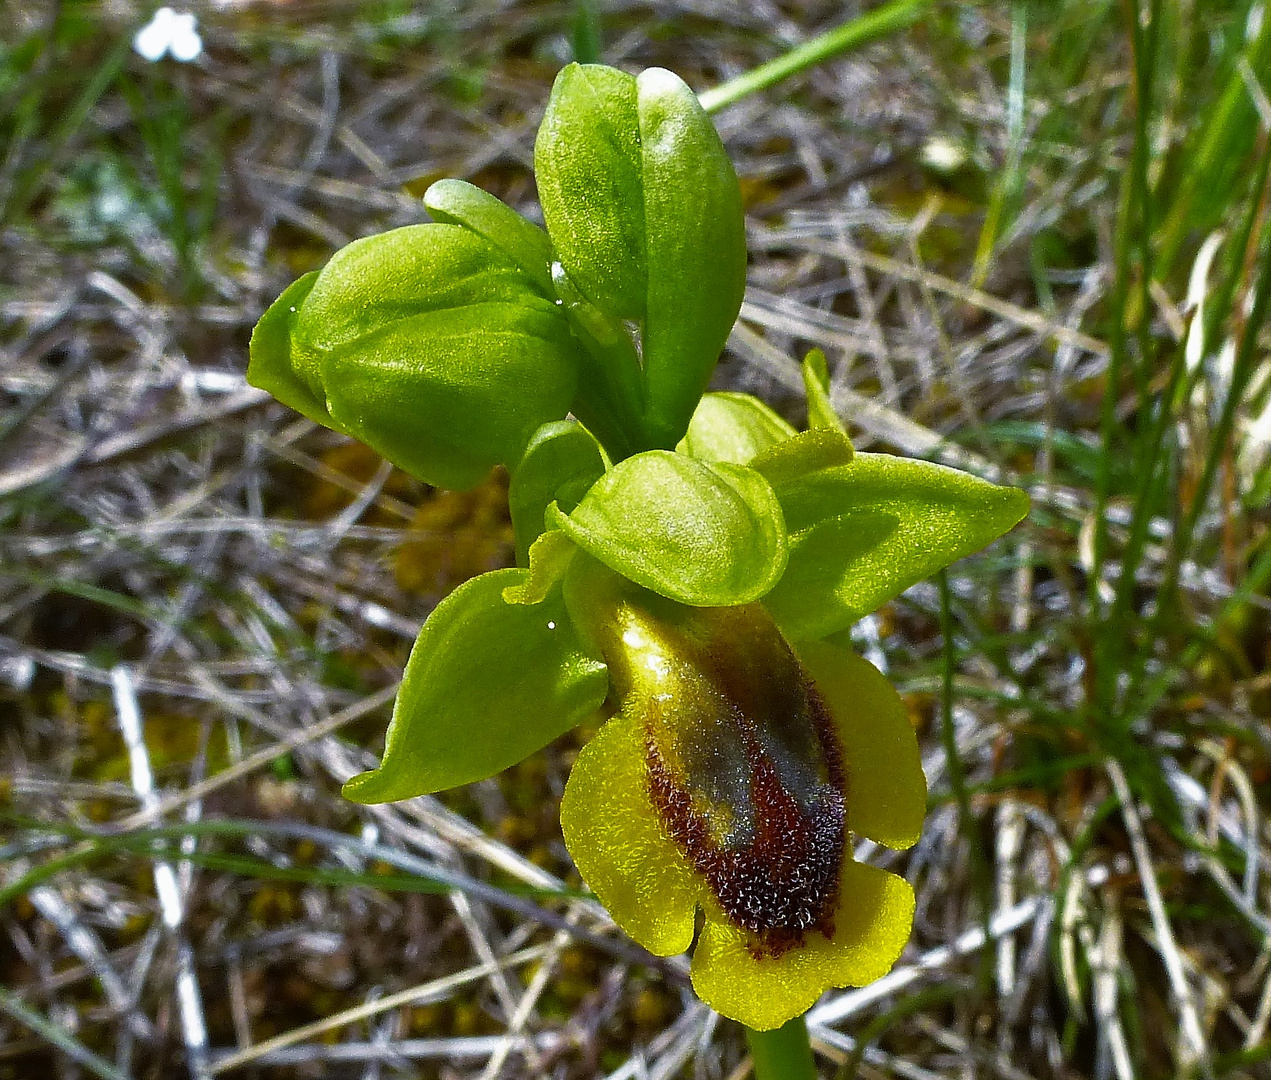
[[743, 766], [726, 822]]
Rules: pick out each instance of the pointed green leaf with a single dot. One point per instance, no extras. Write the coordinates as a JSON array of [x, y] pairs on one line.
[[703, 533], [733, 427], [861, 534], [488, 683], [816, 381], [561, 462], [457, 202]]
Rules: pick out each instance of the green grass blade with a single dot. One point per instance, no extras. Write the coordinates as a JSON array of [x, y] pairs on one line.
[[31, 181], [585, 31], [967, 826], [1006, 186], [59, 1037], [1222, 137], [860, 31], [1242, 373]]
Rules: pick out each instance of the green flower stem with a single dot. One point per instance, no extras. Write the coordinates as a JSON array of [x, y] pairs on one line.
[[784, 1053], [860, 31]]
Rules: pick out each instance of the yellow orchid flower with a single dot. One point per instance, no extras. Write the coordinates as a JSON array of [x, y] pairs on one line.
[[731, 779]]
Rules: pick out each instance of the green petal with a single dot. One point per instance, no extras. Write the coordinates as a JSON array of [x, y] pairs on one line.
[[871, 925], [705, 534], [862, 533], [459, 203], [886, 788], [816, 381], [733, 427], [807, 452], [487, 684], [549, 558], [613, 833], [560, 463]]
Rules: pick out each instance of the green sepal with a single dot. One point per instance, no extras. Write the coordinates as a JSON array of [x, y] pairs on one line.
[[560, 463], [702, 533], [272, 365], [696, 237], [860, 534], [550, 556], [733, 427], [456, 202], [588, 169], [807, 452], [487, 684], [428, 343], [827, 584], [816, 381]]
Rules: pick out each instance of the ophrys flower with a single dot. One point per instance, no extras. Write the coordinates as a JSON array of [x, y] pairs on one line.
[[731, 779], [687, 596]]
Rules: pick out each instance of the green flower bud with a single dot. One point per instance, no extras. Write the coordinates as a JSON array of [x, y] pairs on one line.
[[644, 211], [432, 344]]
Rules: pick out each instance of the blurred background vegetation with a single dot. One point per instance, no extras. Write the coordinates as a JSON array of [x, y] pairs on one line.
[[1031, 237]]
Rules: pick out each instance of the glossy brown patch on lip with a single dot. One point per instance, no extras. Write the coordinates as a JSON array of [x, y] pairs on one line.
[[744, 766]]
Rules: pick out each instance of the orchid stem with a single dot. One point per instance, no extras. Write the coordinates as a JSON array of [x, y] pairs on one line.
[[785, 1053]]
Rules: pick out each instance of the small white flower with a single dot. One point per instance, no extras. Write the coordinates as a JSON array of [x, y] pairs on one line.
[[172, 32], [943, 154]]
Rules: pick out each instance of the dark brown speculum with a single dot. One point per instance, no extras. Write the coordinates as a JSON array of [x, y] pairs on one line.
[[744, 766]]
